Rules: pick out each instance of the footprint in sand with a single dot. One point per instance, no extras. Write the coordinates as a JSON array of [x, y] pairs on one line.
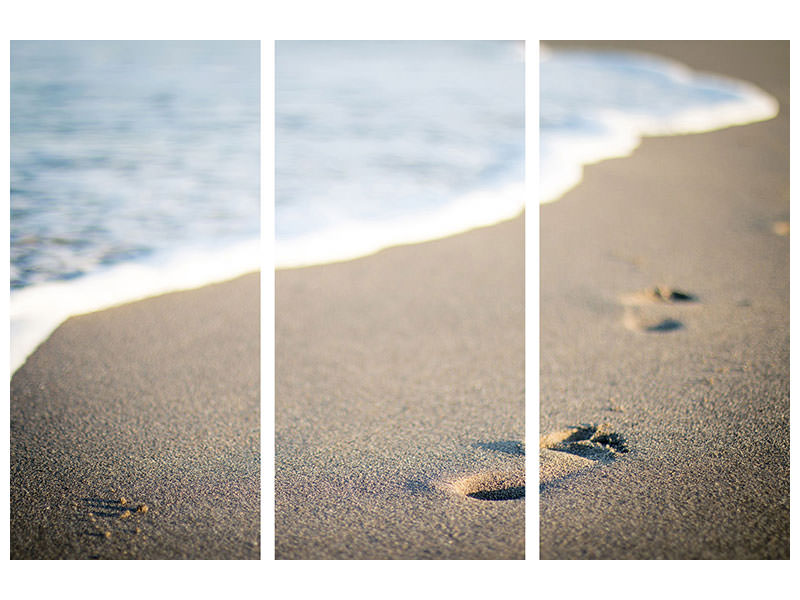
[[102, 515], [649, 310], [570, 450], [493, 485]]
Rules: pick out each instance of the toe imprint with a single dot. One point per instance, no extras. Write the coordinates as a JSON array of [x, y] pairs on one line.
[[564, 452], [659, 294]]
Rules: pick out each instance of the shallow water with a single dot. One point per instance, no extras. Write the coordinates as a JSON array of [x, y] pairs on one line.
[[123, 155], [384, 143]]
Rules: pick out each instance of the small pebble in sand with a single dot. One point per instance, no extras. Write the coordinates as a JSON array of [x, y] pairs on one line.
[[123, 501], [142, 508], [107, 534], [125, 515]]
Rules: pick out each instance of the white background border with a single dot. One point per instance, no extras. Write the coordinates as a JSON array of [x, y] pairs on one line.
[[411, 19]]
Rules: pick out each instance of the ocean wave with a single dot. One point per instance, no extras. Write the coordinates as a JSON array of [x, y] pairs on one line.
[[36, 311], [597, 105]]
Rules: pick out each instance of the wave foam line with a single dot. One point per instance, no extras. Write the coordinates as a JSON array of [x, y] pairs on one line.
[[349, 240], [38, 310], [568, 154]]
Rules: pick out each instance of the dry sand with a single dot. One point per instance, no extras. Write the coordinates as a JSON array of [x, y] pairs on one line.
[[693, 392], [399, 418], [154, 402]]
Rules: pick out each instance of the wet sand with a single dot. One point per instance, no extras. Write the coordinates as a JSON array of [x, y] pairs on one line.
[[399, 418], [155, 403], [664, 416]]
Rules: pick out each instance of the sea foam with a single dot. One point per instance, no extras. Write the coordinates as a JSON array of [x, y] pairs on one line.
[[350, 239], [36, 311], [596, 105], [134, 172], [380, 144]]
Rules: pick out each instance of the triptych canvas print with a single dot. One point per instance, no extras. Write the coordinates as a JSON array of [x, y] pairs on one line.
[[652, 347]]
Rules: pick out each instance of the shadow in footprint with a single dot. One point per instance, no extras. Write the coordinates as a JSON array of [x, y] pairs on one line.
[[512, 447], [635, 321], [658, 295], [511, 493], [105, 507], [491, 485], [665, 325]]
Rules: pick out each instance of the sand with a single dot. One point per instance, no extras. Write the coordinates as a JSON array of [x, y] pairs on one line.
[[399, 404], [135, 432], [691, 390]]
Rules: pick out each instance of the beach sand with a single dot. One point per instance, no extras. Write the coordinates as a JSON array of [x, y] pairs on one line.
[[665, 419], [155, 402], [399, 406]]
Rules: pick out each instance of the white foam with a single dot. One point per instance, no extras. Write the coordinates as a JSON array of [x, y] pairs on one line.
[[353, 239], [36, 311], [385, 143], [654, 97]]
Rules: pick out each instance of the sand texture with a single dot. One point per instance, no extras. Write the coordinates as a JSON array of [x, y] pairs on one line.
[[135, 432], [399, 417], [665, 327]]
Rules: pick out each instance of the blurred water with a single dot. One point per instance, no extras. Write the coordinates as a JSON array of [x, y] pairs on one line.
[[596, 105], [128, 153], [382, 143], [121, 149]]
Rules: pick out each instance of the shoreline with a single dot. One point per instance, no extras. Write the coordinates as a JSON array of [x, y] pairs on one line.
[[462, 215], [155, 402], [664, 430], [37, 310], [632, 122]]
